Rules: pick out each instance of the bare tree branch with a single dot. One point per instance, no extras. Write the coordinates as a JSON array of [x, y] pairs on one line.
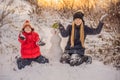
[[5, 11]]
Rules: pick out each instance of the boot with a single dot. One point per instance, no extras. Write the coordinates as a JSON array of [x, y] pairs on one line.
[[19, 63], [41, 59], [65, 58], [86, 59]]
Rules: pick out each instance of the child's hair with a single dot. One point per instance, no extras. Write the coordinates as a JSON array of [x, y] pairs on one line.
[[27, 23]]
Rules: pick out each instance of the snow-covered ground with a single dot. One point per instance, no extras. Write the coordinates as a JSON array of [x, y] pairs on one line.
[[54, 70], [57, 71]]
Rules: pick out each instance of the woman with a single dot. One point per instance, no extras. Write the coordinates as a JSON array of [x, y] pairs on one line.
[[77, 33]]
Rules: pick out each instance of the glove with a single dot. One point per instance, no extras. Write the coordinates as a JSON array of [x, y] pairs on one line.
[[40, 43], [55, 25], [60, 26], [103, 17], [22, 37]]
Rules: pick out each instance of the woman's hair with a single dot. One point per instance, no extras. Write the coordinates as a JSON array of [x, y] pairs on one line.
[[81, 34], [80, 15]]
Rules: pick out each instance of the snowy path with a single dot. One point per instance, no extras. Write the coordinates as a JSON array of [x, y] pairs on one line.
[[58, 71]]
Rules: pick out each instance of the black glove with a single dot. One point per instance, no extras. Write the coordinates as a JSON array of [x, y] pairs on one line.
[[22, 37], [60, 25], [40, 43]]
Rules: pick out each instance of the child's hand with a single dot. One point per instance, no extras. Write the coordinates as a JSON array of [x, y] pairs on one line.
[[40, 43], [22, 37]]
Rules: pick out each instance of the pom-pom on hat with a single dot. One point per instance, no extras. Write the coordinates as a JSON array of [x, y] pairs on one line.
[[26, 23]]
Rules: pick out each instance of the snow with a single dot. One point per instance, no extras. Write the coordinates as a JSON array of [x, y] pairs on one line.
[[58, 71], [54, 70]]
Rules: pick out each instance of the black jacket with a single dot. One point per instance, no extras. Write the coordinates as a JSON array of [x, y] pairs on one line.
[[77, 43]]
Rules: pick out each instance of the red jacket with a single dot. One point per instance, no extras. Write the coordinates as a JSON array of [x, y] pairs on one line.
[[29, 49]]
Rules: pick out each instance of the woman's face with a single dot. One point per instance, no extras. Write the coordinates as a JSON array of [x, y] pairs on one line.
[[78, 21], [27, 29]]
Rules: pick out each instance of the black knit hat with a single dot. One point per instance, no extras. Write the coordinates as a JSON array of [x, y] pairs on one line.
[[78, 15]]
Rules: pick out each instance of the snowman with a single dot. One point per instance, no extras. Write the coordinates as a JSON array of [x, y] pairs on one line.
[[55, 50]]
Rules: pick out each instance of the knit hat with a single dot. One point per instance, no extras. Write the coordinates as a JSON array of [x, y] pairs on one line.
[[78, 14], [27, 23]]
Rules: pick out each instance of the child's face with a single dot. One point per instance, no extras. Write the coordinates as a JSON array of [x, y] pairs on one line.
[[27, 29], [77, 21]]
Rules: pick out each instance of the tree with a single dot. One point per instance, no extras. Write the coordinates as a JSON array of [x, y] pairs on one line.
[[4, 13]]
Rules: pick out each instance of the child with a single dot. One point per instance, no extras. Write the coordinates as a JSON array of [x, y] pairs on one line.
[[77, 33], [30, 50]]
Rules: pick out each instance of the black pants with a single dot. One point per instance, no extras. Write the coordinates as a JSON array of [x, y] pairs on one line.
[[75, 51], [21, 63]]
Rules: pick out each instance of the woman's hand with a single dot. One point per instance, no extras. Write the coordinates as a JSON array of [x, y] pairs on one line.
[[103, 17], [60, 25]]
